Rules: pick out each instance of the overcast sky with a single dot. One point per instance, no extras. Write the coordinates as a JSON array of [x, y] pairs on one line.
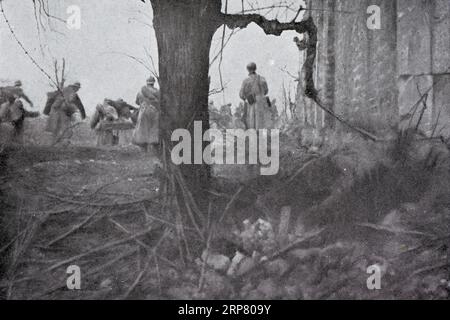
[[110, 30]]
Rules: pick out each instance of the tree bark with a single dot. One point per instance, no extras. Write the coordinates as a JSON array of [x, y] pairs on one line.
[[184, 31]]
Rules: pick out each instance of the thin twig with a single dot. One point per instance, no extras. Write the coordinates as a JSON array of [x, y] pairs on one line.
[[113, 262], [74, 229], [114, 204], [136, 282], [394, 230], [230, 203], [99, 248]]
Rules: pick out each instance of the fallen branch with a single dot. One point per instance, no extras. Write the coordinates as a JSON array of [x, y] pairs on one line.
[[394, 230], [189, 202], [14, 239], [113, 204], [144, 245], [74, 229], [362, 132], [230, 203], [99, 248], [89, 273], [431, 268], [173, 225], [136, 282]]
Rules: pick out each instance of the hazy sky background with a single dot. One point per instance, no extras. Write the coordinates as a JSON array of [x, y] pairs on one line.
[[110, 30]]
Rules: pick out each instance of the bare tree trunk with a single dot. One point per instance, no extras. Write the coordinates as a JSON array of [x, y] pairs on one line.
[[184, 31]]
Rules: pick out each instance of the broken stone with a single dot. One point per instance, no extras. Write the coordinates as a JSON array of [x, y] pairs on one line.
[[182, 293], [410, 207], [238, 257], [215, 284], [173, 274], [245, 265], [106, 284], [277, 267], [392, 219], [305, 254], [218, 262], [293, 292], [283, 226], [268, 289]]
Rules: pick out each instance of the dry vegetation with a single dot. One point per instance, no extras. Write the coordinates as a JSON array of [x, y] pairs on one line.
[[308, 233]]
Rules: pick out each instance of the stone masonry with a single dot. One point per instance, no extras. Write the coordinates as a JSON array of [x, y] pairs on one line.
[[373, 77]]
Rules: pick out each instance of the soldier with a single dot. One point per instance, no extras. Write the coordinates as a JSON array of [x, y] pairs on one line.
[[214, 115], [256, 107], [253, 91], [14, 92], [108, 113], [146, 134], [124, 110], [61, 107], [13, 113], [226, 117], [104, 114], [238, 117]]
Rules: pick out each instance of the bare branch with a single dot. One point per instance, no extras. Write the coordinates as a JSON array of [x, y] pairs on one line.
[[298, 13], [25, 51], [270, 27]]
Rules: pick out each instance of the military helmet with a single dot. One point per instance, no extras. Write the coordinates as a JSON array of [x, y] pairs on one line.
[[251, 67]]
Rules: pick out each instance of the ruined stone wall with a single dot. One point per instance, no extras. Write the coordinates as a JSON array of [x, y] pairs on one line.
[[371, 77], [424, 60]]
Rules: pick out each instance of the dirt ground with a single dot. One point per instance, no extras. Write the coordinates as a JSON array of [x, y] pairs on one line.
[[311, 232], [53, 194]]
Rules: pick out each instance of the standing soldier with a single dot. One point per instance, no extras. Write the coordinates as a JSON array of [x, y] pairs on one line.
[[146, 134], [253, 91], [256, 107], [61, 107]]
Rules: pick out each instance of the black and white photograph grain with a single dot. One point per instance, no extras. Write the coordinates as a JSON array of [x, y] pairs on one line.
[[224, 150]]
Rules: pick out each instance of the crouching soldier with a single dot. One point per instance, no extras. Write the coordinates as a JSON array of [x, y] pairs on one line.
[[109, 119], [104, 114], [124, 110]]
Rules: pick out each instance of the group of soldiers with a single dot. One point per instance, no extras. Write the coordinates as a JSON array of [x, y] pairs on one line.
[[113, 116], [64, 106]]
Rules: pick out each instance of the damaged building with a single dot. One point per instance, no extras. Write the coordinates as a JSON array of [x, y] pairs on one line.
[[377, 77]]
